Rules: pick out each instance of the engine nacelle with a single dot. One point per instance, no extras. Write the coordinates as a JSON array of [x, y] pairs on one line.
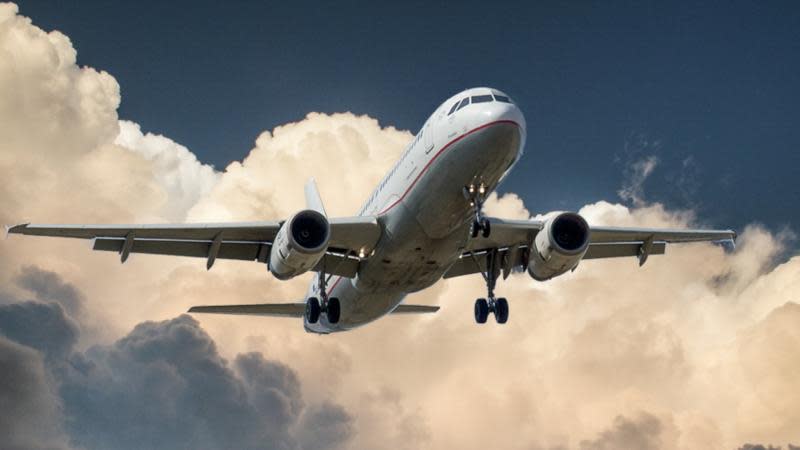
[[559, 246], [299, 245]]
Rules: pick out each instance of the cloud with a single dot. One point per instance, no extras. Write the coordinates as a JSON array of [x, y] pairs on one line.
[[31, 417], [699, 339], [48, 287], [175, 168], [642, 433], [326, 426], [636, 174], [164, 384], [42, 326]]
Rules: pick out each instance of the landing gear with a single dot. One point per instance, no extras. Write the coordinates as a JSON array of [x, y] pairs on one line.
[[496, 306], [330, 306], [481, 310], [476, 196], [333, 309], [312, 310]]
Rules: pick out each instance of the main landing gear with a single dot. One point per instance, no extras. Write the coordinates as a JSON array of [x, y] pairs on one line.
[[329, 306], [476, 196], [497, 306]]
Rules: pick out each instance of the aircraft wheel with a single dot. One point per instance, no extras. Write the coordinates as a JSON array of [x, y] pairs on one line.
[[312, 310], [501, 310], [481, 310], [476, 228], [334, 310], [486, 227]]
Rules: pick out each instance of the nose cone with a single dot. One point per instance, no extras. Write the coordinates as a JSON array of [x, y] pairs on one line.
[[502, 112]]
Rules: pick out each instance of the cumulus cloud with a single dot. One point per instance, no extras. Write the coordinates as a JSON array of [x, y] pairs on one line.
[[164, 384], [31, 416], [694, 350], [175, 168], [642, 432]]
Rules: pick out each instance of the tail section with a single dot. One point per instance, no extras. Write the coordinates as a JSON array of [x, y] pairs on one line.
[[313, 199]]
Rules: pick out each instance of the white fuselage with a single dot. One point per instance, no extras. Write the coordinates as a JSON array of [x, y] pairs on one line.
[[421, 207]]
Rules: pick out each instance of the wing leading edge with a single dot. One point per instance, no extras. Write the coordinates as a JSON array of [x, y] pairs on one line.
[[512, 239], [248, 241]]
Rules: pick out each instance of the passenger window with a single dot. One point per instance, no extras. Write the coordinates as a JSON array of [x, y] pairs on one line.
[[463, 103], [502, 98], [481, 98], [453, 109]]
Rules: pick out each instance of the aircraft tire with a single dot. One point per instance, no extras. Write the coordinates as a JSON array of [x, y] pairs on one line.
[[312, 310], [486, 228], [501, 310], [481, 310], [334, 310]]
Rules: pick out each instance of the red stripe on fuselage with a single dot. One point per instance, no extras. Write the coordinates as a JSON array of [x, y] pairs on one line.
[[445, 147], [425, 169]]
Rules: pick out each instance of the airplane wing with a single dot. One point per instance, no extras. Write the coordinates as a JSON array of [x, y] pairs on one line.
[[251, 241], [291, 309], [512, 238]]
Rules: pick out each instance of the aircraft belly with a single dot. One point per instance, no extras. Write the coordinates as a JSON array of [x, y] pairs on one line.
[[438, 202], [425, 232], [357, 308]]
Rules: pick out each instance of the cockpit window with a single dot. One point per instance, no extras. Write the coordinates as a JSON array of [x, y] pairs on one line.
[[453, 109], [481, 98], [502, 98], [463, 103]]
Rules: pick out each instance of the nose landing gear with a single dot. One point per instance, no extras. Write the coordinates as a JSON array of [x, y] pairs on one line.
[[496, 306], [476, 196]]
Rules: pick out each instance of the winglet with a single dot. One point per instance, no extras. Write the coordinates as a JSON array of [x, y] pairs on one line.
[[15, 229], [313, 199]]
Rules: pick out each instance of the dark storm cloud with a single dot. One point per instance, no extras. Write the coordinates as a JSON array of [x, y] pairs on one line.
[[42, 326], [164, 385], [325, 426], [49, 287], [642, 432], [273, 388], [31, 417]]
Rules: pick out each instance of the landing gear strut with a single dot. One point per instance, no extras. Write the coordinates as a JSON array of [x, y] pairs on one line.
[[476, 196], [497, 306], [329, 306]]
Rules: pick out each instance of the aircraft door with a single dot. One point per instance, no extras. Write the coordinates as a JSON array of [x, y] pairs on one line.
[[428, 137]]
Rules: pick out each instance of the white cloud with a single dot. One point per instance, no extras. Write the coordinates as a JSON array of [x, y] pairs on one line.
[[174, 167], [698, 338]]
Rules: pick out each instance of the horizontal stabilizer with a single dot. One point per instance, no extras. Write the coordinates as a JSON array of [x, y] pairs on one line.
[[266, 309], [291, 309], [415, 309]]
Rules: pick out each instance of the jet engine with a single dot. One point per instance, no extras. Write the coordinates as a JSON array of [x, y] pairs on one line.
[[299, 245], [559, 246]]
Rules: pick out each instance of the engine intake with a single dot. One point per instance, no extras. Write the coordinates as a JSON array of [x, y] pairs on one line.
[[299, 245], [559, 246]]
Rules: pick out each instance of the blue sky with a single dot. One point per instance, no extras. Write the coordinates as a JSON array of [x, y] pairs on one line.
[[709, 88], [696, 349]]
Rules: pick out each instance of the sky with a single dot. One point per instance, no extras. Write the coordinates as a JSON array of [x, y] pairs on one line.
[[113, 113], [709, 88]]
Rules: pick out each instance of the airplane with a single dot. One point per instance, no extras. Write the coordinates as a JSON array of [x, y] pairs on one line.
[[422, 223]]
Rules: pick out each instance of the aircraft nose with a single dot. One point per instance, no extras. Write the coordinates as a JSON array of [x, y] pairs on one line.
[[510, 111]]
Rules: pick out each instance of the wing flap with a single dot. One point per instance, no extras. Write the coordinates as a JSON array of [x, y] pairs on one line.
[[620, 249], [245, 251]]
